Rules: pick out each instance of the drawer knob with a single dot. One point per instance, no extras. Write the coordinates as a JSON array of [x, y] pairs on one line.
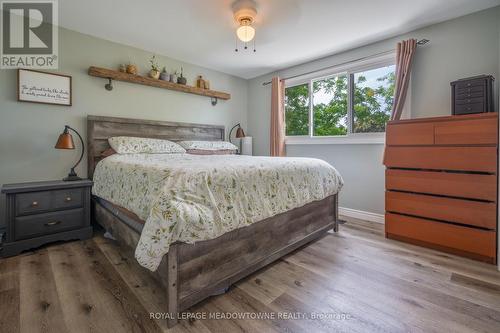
[[67, 199], [48, 224], [34, 204]]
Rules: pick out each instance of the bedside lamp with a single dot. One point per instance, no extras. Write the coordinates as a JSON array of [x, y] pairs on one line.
[[65, 141], [239, 133]]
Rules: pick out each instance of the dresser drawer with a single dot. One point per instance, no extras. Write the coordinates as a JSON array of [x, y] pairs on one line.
[[410, 134], [48, 223], [473, 213], [472, 186], [481, 159], [467, 132], [463, 240], [70, 198], [33, 202]]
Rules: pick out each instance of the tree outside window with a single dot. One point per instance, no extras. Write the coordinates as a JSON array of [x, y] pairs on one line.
[[371, 93]]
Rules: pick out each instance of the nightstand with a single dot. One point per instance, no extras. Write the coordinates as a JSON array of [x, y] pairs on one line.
[[41, 212]]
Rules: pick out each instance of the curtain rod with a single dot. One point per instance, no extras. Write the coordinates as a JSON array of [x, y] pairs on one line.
[[419, 43]]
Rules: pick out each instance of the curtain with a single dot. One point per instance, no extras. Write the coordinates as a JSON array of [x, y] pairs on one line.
[[404, 57], [277, 117]]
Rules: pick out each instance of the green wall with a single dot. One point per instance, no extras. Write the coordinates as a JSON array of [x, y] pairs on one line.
[[29, 131]]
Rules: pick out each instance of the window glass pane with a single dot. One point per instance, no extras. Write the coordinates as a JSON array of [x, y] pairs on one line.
[[330, 106], [373, 97], [297, 110]]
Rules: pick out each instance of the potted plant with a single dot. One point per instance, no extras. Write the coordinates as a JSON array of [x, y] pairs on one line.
[[173, 76], [164, 76], [154, 73], [181, 79]]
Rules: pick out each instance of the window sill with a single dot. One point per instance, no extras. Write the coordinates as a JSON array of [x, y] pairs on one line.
[[359, 139]]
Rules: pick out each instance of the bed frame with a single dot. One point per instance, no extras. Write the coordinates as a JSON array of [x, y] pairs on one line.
[[190, 273]]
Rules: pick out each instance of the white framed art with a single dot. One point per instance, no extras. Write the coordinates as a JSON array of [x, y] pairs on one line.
[[42, 87]]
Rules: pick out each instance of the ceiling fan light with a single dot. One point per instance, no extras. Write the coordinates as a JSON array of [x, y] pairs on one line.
[[245, 33]]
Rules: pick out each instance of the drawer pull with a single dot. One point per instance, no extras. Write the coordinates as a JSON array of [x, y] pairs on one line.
[[67, 199], [34, 204], [49, 224]]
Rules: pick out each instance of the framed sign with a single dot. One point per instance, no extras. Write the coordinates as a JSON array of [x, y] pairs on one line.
[[42, 87]]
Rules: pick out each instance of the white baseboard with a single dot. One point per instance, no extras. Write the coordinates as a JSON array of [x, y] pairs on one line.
[[362, 215]]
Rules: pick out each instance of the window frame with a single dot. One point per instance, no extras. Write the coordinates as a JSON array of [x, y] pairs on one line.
[[349, 70]]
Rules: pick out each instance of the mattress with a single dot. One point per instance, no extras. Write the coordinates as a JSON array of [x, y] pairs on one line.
[[190, 198]]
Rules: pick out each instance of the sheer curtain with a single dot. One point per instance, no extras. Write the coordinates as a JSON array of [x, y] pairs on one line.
[[277, 139]]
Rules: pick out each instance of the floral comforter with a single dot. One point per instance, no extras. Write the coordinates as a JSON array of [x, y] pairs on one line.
[[191, 198]]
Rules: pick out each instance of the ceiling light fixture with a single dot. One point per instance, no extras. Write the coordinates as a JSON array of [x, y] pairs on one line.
[[244, 14]]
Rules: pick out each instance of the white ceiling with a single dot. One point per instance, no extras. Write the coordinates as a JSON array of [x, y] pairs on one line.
[[289, 32]]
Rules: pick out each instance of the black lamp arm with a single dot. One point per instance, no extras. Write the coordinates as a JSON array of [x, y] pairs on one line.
[[83, 146], [231, 131]]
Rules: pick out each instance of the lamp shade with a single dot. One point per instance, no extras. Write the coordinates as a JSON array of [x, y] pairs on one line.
[[245, 33], [65, 141], [240, 133]]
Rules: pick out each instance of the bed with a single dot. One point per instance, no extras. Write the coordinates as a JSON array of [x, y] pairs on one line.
[[191, 270]]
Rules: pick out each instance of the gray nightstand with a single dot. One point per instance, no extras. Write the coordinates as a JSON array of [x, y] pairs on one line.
[[42, 212]]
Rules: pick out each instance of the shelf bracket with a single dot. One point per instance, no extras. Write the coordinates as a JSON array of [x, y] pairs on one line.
[[109, 85], [214, 100]]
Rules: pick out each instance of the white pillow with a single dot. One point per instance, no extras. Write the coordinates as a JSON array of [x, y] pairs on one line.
[[133, 145], [207, 145]]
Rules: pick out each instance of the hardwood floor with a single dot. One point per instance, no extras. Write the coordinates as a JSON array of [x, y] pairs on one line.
[[356, 279]]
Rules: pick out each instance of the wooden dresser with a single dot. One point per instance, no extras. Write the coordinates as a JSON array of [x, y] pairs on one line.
[[441, 183]]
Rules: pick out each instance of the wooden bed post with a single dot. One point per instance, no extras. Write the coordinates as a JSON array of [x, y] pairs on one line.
[[336, 213], [172, 286]]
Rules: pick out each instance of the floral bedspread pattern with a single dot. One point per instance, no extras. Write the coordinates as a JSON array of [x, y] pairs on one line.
[[191, 198], [208, 145], [134, 145]]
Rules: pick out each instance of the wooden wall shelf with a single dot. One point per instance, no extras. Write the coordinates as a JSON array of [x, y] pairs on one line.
[[138, 79]]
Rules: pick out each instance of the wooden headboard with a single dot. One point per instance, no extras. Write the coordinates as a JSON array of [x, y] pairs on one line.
[[99, 129]]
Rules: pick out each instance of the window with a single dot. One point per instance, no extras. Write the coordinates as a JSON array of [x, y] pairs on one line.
[[297, 110], [349, 102], [373, 97], [330, 106]]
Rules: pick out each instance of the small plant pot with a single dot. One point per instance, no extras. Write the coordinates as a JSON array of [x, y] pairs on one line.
[[181, 80], [154, 74], [164, 76], [173, 78]]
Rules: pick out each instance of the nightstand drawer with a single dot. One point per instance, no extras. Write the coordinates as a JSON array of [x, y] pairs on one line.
[[70, 198], [33, 202], [44, 201], [48, 223]]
